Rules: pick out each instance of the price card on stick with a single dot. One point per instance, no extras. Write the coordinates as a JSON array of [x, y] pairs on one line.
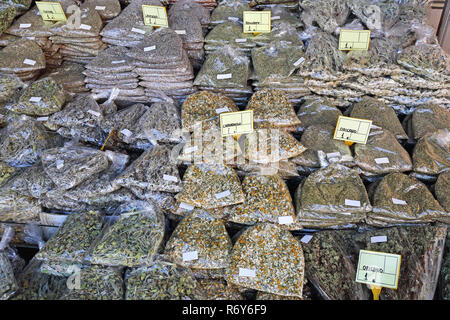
[[257, 21], [352, 130], [51, 11], [354, 39], [155, 16]]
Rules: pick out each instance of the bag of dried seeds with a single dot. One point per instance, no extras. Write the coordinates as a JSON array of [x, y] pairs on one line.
[[199, 241], [210, 186], [162, 281], [267, 258], [431, 154], [132, 240], [70, 244], [331, 197], [23, 141], [381, 154], [401, 199]]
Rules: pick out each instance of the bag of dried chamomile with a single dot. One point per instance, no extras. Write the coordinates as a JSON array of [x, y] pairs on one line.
[[200, 241], [23, 141], [431, 154], [203, 108], [217, 289], [71, 243], [267, 199], [381, 154], [399, 199], [441, 190], [333, 196], [162, 281], [8, 283], [133, 239], [154, 171], [72, 164], [272, 107], [381, 115], [426, 119], [321, 149], [210, 186], [95, 283], [267, 258]]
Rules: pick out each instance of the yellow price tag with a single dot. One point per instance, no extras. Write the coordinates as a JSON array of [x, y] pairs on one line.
[[51, 11], [378, 269], [257, 21], [354, 39], [352, 129], [235, 123], [155, 16]]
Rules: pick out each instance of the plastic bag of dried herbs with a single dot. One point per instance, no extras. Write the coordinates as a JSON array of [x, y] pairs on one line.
[[31, 182], [331, 196], [204, 107], [317, 112], [199, 241], [9, 86], [162, 281], [22, 142], [7, 173], [17, 208], [232, 10], [428, 118], [431, 153], [41, 98], [22, 56], [286, 169], [272, 107], [441, 190], [72, 164], [132, 240], [402, 199], [381, 154], [381, 115], [96, 283], [7, 15], [329, 15], [267, 258], [210, 186], [154, 170], [107, 9], [321, 148], [8, 283], [70, 244], [219, 290]]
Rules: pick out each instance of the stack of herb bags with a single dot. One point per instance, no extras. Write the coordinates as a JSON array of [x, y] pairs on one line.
[[267, 258], [113, 69], [163, 66], [107, 9], [186, 17], [128, 29], [24, 58], [333, 196]]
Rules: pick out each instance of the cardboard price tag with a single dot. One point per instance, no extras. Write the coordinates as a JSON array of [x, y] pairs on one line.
[[378, 269], [233, 123], [257, 21], [155, 16], [51, 11], [352, 129], [354, 39]]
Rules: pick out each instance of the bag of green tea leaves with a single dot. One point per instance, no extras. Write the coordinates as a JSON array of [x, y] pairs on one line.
[[267, 199], [154, 171], [317, 112], [333, 196], [441, 190], [381, 154], [23, 141], [257, 256], [321, 149], [381, 115], [199, 241], [210, 186], [9, 86], [399, 199], [70, 244], [428, 118], [8, 283], [133, 239], [162, 281], [431, 154]]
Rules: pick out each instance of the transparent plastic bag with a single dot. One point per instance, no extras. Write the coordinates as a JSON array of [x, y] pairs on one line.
[[441, 190], [22, 56], [257, 256], [232, 10], [428, 118], [199, 241], [32, 182], [431, 153], [7, 15], [107, 9], [329, 15], [210, 186], [133, 239], [9, 86], [317, 112], [8, 283], [219, 290]]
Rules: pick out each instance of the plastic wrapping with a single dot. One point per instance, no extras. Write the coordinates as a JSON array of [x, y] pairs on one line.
[[232, 10], [192, 8], [331, 196], [31, 182], [9, 87], [18, 208], [8, 283], [70, 244], [327, 14], [441, 190], [317, 112], [7, 15], [219, 290], [210, 186], [381, 154], [22, 56], [401, 199], [428, 118], [107, 9], [162, 281], [200, 242], [431, 153], [267, 258]]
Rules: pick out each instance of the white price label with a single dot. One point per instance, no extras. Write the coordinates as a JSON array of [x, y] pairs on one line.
[[222, 194], [306, 238], [333, 155], [186, 206], [35, 99], [224, 76], [85, 27], [381, 160], [24, 25], [170, 178], [220, 110], [126, 133], [244, 272], [180, 31], [146, 49], [189, 256], [352, 203], [398, 201], [352, 129], [285, 220], [378, 239], [299, 62], [29, 62], [138, 30]]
